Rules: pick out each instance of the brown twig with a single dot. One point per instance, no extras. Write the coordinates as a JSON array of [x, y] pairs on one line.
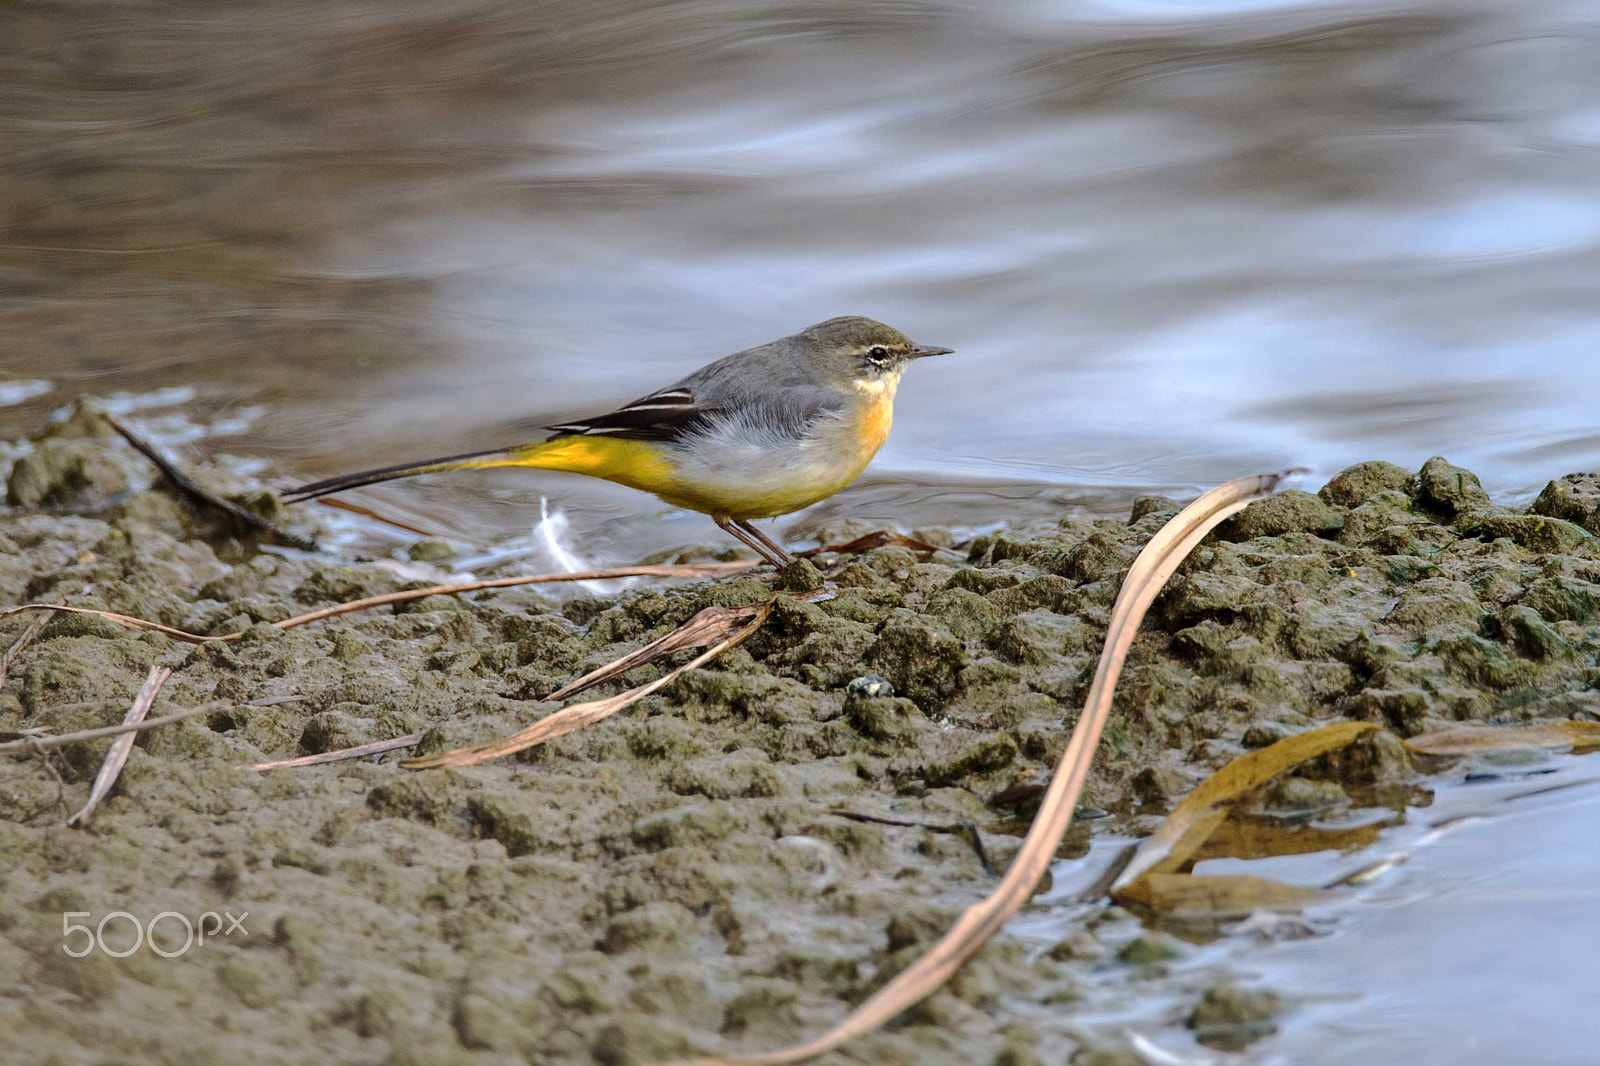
[[30, 633], [667, 570], [60, 799], [709, 625], [273, 701], [967, 829], [1150, 571], [189, 487], [120, 619], [581, 714], [876, 539], [377, 747], [367, 512], [34, 744], [117, 756], [21, 642], [689, 570]]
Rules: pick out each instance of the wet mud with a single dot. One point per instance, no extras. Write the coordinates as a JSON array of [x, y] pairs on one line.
[[679, 878]]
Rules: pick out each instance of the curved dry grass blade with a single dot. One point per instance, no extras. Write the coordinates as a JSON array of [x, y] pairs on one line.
[[1472, 739], [1149, 572], [377, 747], [120, 619], [118, 754], [1202, 810], [31, 744], [579, 715], [709, 625]]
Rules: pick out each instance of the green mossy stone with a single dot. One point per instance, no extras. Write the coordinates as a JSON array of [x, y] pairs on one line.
[[1537, 533], [887, 718], [1451, 489], [985, 757], [968, 615], [1149, 949], [919, 656], [430, 551], [693, 823], [766, 1009], [800, 575], [1355, 485], [634, 1041], [1144, 506], [66, 473], [658, 925], [1290, 511], [1531, 635], [1564, 599], [1574, 498], [1229, 1018]]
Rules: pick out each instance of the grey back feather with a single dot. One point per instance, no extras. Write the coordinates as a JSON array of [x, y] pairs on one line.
[[784, 385]]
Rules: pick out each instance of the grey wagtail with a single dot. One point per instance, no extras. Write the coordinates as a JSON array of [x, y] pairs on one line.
[[756, 434]]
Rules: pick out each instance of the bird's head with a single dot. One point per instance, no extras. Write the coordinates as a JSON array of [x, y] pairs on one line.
[[859, 353]]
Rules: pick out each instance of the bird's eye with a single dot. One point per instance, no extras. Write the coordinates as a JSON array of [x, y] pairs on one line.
[[878, 354]]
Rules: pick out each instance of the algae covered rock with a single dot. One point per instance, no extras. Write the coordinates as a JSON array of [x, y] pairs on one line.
[[887, 718], [1534, 532], [1290, 511], [1450, 488], [919, 656], [1229, 1018], [985, 757], [654, 925], [67, 473], [1355, 485], [1574, 498]]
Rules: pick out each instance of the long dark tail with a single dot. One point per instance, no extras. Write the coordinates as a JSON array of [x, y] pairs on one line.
[[389, 473]]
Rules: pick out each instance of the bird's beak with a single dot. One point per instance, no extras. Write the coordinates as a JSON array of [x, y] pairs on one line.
[[921, 350]]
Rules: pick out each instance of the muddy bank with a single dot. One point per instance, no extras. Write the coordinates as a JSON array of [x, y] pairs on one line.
[[676, 878]]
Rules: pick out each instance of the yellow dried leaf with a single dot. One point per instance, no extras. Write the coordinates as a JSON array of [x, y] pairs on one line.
[[1259, 838], [1193, 820], [1471, 739], [1213, 896]]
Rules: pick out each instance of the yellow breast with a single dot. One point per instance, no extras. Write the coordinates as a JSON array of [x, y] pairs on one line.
[[875, 423]]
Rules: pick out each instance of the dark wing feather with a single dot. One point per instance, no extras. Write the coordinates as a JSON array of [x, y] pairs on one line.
[[661, 416]]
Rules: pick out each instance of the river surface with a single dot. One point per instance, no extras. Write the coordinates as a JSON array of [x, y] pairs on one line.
[[1172, 243], [1470, 939]]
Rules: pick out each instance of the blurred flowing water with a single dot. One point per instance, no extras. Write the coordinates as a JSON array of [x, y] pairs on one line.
[[1472, 943], [1171, 242]]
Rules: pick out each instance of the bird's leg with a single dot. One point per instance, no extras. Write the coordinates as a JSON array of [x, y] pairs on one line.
[[737, 532], [772, 545]]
